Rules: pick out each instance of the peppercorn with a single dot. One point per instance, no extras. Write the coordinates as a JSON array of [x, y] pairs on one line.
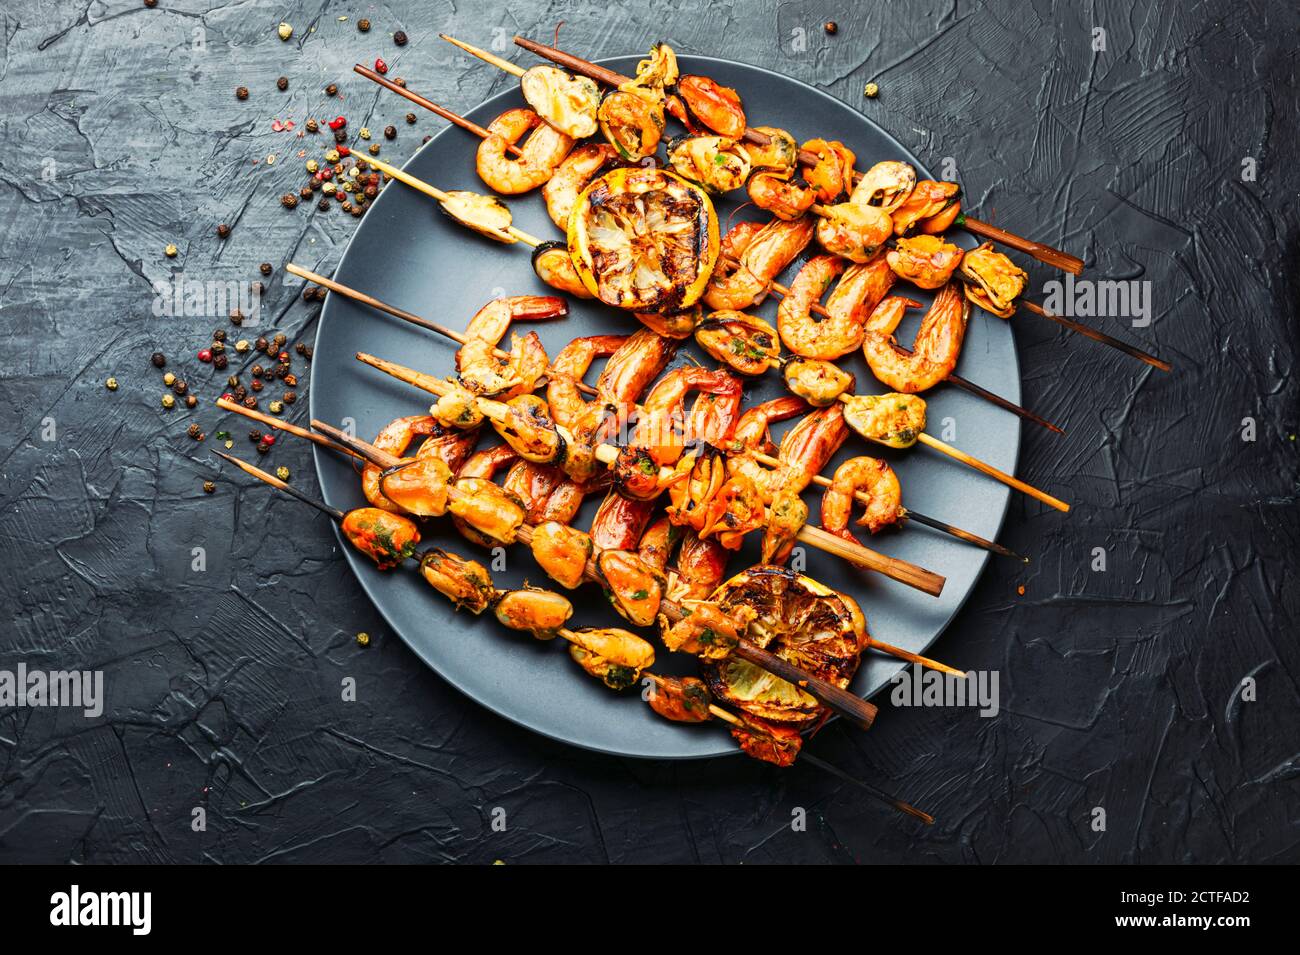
[[111, 384], [374, 149], [268, 439], [363, 639], [219, 335], [232, 381], [262, 345], [250, 402], [399, 38], [280, 339], [300, 347], [276, 407], [242, 345], [332, 90], [380, 66], [390, 132], [181, 386], [347, 207], [223, 230], [191, 401], [281, 370], [205, 355], [340, 135], [236, 317], [241, 92], [194, 430], [323, 205], [363, 25], [240, 393], [256, 384], [170, 251], [220, 362], [831, 27], [871, 90], [168, 401], [289, 200], [307, 353], [410, 119], [151, 3], [349, 187], [265, 268], [254, 435], [371, 192], [158, 359], [426, 139], [256, 371], [284, 30], [291, 380], [313, 126], [282, 83], [398, 81], [218, 345], [169, 379], [209, 487]]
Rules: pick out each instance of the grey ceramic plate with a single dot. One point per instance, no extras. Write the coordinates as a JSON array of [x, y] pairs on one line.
[[410, 255]]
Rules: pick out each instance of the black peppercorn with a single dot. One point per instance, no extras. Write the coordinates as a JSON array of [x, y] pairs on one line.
[[831, 28], [390, 132], [308, 353], [254, 436], [308, 294], [340, 135], [331, 90], [256, 371], [191, 401], [288, 200], [290, 397], [220, 362], [219, 335], [280, 339], [323, 205], [250, 402], [194, 431], [305, 192], [158, 359], [180, 386], [282, 83], [410, 119], [240, 393], [426, 139], [236, 317], [151, 3], [223, 230], [262, 344], [399, 38], [241, 92], [300, 348], [265, 268], [363, 25]]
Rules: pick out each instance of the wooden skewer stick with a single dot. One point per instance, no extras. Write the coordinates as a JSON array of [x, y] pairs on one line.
[[1089, 332], [500, 64], [904, 513], [902, 571], [817, 308], [853, 708], [358, 296], [1043, 253], [574, 638]]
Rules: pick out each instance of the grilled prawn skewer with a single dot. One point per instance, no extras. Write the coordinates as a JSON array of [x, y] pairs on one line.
[[616, 657], [552, 263]]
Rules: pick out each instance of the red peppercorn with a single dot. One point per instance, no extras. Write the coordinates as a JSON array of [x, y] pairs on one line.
[[380, 66], [205, 355], [344, 151], [227, 396], [268, 439], [338, 123]]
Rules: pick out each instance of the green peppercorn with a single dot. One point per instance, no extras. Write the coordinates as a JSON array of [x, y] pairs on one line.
[[168, 401], [171, 250], [169, 379], [111, 384], [275, 407], [363, 639]]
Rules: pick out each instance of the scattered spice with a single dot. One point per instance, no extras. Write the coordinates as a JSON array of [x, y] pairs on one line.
[[170, 251], [250, 402], [398, 81], [220, 361], [262, 345], [338, 122], [219, 335], [289, 200], [280, 339], [380, 66], [255, 436], [410, 119], [194, 431], [242, 345], [257, 384], [871, 90], [205, 355], [265, 268], [241, 92], [169, 379], [363, 25], [191, 401], [390, 132], [364, 133], [223, 230], [285, 31], [831, 27], [313, 167], [332, 90], [399, 38], [111, 384], [168, 401], [282, 83], [323, 205], [374, 149], [282, 473], [313, 126], [158, 359], [236, 317], [151, 3], [180, 387], [209, 487], [363, 639], [290, 397], [275, 407]]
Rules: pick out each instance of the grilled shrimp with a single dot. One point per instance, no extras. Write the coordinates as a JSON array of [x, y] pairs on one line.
[[569, 368], [804, 333], [701, 565], [546, 491], [657, 543], [395, 438], [711, 105], [543, 151], [579, 168], [871, 476], [657, 432], [762, 254], [483, 372], [754, 432], [452, 446], [810, 444], [620, 522], [937, 347]]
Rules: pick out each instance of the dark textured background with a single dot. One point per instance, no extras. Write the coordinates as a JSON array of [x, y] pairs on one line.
[[1119, 689]]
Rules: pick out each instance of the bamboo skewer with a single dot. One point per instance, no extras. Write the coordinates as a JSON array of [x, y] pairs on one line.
[[574, 638], [1043, 253], [816, 308]]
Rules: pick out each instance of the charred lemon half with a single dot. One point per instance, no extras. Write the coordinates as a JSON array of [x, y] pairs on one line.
[[809, 624], [644, 240]]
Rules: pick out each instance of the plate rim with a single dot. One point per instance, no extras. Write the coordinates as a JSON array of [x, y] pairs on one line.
[[353, 560]]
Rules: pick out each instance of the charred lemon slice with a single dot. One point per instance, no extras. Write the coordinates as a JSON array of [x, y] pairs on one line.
[[810, 625], [644, 240]]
